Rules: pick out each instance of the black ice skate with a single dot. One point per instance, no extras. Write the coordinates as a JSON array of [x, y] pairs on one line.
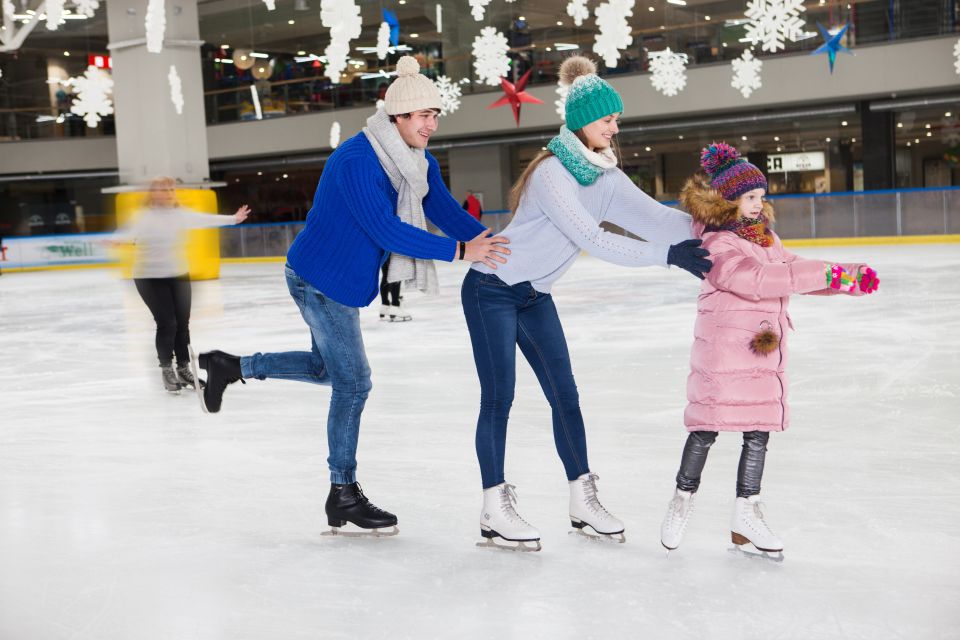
[[222, 369], [185, 376], [347, 504], [170, 381]]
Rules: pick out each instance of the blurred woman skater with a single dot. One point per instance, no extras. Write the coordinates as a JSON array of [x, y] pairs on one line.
[[161, 274]]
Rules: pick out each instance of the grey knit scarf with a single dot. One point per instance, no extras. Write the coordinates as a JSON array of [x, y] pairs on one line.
[[407, 169]]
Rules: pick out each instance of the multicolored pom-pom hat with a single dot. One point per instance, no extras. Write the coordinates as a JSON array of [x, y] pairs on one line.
[[730, 174]]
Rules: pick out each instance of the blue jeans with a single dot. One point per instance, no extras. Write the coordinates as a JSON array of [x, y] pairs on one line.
[[336, 358], [499, 318]]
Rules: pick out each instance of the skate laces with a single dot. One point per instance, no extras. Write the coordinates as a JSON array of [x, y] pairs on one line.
[[508, 498], [590, 496], [758, 515], [677, 513]]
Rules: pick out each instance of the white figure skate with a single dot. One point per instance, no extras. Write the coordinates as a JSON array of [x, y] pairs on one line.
[[587, 514], [500, 524], [675, 521], [749, 527]]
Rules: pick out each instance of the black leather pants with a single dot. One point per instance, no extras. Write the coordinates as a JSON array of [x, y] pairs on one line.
[[749, 474]]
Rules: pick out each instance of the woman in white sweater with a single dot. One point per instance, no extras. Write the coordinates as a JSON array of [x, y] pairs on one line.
[[161, 273], [558, 204]]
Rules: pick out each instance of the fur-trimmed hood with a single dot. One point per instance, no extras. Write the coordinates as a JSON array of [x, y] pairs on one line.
[[708, 207]]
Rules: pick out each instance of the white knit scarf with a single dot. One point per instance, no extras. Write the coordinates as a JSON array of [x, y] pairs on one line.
[[407, 168]]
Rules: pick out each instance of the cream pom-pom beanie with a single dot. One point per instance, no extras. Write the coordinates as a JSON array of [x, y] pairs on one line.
[[410, 91]]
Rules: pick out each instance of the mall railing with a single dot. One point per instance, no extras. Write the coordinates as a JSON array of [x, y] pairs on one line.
[[906, 212], [294, 88]]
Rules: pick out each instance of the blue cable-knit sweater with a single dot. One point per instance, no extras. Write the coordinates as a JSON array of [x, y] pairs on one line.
[[353, 225]]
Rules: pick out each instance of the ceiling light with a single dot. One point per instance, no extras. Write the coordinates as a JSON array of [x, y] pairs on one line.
[[680, 137], [707, 18], [559, 23], [259, 173], [929, 133], [899, 125], [524, 18], [635, 154], [647, 149], [917, 140], [224, 46], [301, 53], [926, 126], [947, 114], [908, 144], [776, 138], [285, 176], [843, 124], [681, 3], [66, 53], [414, 35], [778, 148], [853, 139], [257, 54], [291, 22], [743, 137], [828, 139]]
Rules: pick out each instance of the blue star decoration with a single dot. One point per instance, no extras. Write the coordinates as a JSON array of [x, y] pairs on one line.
[[391, 19], [831, 44]]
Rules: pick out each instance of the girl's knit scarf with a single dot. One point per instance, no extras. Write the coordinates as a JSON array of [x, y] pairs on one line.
[[585, 165], [753, 229], [407, 169]]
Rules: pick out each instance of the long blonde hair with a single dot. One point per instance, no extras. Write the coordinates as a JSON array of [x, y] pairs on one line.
[[520, 186]]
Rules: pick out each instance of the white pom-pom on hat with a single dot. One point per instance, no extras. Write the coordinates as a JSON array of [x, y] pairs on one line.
[[411, 90], [408, 66]]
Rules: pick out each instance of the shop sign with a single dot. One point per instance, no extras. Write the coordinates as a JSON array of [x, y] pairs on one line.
[[790, 162], [99, 60]]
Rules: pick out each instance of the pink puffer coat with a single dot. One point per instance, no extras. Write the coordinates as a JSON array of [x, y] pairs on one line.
[[731, 388]]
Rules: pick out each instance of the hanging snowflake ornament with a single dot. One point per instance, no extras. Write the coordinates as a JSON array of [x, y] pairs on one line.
[[93, 95], [577, 9], [8, 8], [950, 131], [383, 41], [54, 11], [746, 73], [773, 22], [343, 19], [561, 102], [956, 56], [477, 8], [334, 135], [381, 103], [669, 71], [156, 24], [86, 7], [450, 94], [490, 56], [614, 30], [271, 4], [176, 90]]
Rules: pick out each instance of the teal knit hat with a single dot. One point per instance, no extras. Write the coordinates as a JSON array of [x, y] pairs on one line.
[[590, 97]]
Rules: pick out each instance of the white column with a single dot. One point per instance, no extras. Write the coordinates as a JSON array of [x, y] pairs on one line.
[[152, 139]]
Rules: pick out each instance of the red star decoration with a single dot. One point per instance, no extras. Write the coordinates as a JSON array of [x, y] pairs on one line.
[[515, 95]]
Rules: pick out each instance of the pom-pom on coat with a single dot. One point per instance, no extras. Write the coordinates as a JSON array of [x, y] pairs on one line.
[[738, 378]]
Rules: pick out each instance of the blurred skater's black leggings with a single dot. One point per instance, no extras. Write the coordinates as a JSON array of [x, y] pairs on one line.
[[749, 474], [169, 302], [391, 288]]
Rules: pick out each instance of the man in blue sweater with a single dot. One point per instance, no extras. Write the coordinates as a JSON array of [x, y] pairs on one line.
[[373, 195]]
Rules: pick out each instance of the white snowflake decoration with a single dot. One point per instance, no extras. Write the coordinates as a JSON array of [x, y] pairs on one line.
[[86, 7], [561, 102], [343, 19], [950, 131], [490, 56], [176, 89], [772, 22], [746, 73], [614, 30], [334, 135], [54, 11], [156, 25], [956, 56], [271, 4], [577, 9], [8, 8], [383, 41], [450, 94], [477, 8], [93, 95], [381, 103], [669, 71]]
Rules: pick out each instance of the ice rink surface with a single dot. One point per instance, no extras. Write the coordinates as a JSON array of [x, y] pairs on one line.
[[127, 514]]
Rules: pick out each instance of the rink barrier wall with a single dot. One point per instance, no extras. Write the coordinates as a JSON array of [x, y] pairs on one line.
[[890, 216]]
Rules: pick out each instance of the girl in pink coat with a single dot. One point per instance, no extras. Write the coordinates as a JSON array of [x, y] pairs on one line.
[[737, 376]]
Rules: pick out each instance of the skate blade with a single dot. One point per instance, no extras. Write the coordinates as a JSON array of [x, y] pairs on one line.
[[195, 369], [610, 538], [510, 545], [769, 556], [339, 532]]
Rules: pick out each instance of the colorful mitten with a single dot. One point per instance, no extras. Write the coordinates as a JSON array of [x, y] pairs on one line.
[[868, 280], [840, 279]]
